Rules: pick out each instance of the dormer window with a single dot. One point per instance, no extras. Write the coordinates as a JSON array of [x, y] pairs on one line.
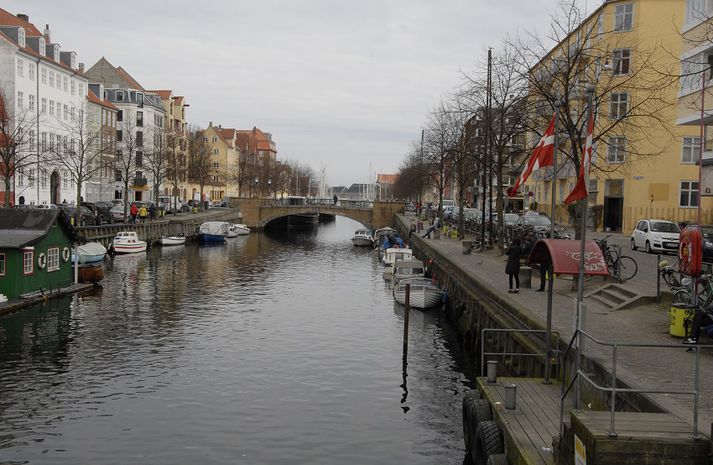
[[55, 52], [41, 46], [119, 96], [21, 37]]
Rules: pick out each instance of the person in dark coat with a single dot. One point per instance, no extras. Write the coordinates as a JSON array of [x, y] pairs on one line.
[[513, 265]]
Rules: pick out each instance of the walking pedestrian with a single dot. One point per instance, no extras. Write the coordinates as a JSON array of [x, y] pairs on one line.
[[133, 211], [512, 268], [434, 225], [336, 199], [152, 211], [544, 268], [143, 213]]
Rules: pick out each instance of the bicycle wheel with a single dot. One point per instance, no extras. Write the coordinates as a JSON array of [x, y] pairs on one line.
[[627, 267], [681, 296]]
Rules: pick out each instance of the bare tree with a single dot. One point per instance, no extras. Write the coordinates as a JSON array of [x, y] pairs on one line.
[[412, 176], [175, 163], [157, 160], [200, 162], [17, 142], [127, 157], [79, 151], [441, 140]]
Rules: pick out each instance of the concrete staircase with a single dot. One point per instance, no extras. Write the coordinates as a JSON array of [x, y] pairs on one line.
[[616, 297]]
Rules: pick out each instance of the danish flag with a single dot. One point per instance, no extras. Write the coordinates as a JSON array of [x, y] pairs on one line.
[[581, 190], [542, 156]]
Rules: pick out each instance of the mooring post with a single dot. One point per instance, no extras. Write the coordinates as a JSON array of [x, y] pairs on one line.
[[407, 305]]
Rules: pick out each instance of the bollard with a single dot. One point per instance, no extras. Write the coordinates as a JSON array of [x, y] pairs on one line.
[[510, 396], [492, 373]]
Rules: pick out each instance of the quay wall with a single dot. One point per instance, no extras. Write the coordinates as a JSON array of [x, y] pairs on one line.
[[473, 306], [151, 231]]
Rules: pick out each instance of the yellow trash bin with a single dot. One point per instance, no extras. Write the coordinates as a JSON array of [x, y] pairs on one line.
[[679, 320]]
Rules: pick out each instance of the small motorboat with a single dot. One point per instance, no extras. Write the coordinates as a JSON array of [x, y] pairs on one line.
[[240, 229], [362, 238], [407, 269], [127, 242], [91, 273], [214, 231], [391, 256], [172, 240], [423, 294], [91, 252], [381, 234]]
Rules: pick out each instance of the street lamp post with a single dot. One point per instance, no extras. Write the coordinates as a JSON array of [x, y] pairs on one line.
[[256, 191], [269, 187]]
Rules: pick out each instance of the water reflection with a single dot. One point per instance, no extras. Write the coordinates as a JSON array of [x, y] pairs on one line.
[[268, 349]]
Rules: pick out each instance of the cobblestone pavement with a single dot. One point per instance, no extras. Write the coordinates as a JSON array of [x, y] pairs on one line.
[[661, 368]]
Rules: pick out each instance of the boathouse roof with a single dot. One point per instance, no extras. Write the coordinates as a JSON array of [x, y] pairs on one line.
[[23, 227]]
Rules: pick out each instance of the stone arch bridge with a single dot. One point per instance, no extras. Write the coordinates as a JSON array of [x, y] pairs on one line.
[[256, 213]]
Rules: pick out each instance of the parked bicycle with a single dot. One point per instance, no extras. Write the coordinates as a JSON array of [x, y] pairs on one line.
[[622, 267]]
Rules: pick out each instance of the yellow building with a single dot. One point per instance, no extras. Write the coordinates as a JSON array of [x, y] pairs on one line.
[[224, 157], [696, 65], [644, 162]]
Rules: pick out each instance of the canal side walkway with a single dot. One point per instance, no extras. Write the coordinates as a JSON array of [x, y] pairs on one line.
[[663, 368]]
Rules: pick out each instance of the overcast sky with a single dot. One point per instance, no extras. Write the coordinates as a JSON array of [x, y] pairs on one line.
[[336, 82]]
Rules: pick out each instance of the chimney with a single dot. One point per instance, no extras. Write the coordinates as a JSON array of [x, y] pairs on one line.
[[210, 124], [81, 68], [23, 17], [220, 126], [47, 34]]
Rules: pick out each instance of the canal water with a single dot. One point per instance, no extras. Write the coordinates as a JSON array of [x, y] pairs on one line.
[[277, 348]]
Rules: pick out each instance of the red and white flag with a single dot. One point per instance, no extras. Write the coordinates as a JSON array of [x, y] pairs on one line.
[[542, 156], [581, 189]]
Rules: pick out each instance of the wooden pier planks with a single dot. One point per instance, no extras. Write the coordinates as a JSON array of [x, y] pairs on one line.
[[529, 429]]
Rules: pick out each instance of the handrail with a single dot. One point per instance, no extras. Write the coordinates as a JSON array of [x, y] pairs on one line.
[[483, 353], [613, 389]]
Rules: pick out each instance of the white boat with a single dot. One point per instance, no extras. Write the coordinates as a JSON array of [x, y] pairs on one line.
[[241, 229], [172, 240], [381, 233], [127, 242], [423, 294], [362, 238], [391, 256], [407, 269], [231, 232], [213, 231], [91, 252]]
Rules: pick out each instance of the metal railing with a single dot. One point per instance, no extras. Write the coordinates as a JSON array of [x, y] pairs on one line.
[[343, 203], [579, 375], [542, 354]]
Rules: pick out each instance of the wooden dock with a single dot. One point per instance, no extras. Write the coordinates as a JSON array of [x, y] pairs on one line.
[[16, 304], [531, 431], [528, 431]]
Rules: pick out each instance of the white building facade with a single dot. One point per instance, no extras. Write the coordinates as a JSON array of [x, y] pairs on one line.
[[45, 90]]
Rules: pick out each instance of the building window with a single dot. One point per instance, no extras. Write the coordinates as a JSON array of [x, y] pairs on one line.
[[140, 119], [71, 87], [139, 159], [21, 37], [119, 135], [689, 194], [616, 152], [51, 78], [32, 140], [44, 106], [31, 72], [619, 105], [623, 17], [215, 151], [51, 107], [20, 177], [20, 67], [622, 60], [43, 178], [66, 111], [81, 89], [43, 141], [53, 259], [20, 100], [139, 138], [2, 264], [65, 83], [31, 102], [44, 76], [31, 178], [216, 165], [28, 262], [691, 150]]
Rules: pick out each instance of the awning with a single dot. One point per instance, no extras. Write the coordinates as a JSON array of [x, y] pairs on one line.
[[564, 254]]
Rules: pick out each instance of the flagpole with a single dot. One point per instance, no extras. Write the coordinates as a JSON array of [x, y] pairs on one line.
[[550, 280], [580, 314]]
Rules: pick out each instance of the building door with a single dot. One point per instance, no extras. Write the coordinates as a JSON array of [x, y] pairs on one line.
[[613, 204], [138, 196], [54, 188]]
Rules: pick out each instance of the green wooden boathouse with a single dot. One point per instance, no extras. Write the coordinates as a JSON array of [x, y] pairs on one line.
[[35, 251]]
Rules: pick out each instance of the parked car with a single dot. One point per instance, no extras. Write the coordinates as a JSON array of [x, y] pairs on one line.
[[86, 217], [539, 224], [117, 213], [655, 235], [101, 211]]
